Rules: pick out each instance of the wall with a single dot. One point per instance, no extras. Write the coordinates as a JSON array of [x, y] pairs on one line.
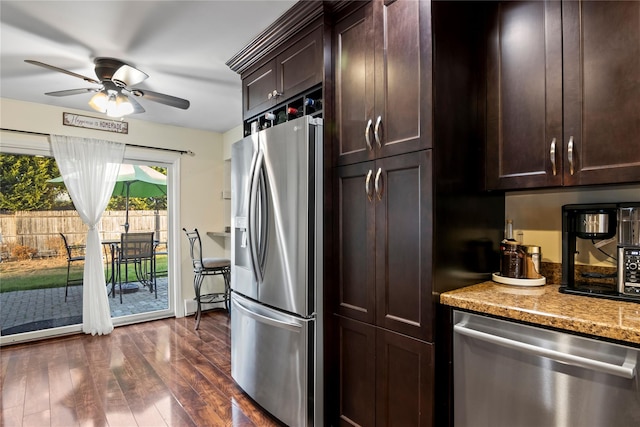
[[228, 138], [538, 215], [201, 176]]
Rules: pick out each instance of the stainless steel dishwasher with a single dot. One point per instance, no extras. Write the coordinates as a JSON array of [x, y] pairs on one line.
[[510, 374]]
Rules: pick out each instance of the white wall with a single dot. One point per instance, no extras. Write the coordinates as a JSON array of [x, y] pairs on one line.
[[228, 138], [201, 178], [538, 214]]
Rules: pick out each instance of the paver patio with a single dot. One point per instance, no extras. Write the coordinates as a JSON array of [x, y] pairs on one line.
[[22, 311]]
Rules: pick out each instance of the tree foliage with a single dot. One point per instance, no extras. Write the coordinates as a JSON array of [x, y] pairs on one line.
[[118, 203], [24, 186]]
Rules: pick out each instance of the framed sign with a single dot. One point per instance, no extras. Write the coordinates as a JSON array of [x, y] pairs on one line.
[[87, 122]]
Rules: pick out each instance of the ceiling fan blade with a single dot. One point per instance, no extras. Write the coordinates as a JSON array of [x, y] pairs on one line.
[[73, 91], [162, 98], [129, 76], [137, 108], [61, 70]]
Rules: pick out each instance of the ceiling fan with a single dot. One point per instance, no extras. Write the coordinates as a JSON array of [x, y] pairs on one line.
[[117, 79]]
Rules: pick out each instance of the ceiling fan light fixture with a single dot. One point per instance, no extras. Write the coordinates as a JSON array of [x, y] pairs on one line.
[[123, 106], [99, 102], [118, 105]]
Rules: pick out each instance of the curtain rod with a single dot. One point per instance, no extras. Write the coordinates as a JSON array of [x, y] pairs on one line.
[[189, 152]]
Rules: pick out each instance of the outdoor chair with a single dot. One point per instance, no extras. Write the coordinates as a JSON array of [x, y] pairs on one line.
[[75, 253], [160, 249], [207, 267], [137, 249]]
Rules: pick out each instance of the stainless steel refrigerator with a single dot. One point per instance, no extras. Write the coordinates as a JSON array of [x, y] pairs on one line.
[[276, 269]]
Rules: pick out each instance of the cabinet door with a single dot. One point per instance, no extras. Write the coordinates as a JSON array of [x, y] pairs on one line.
[[300, 65], [601, 91], [256, 88], [357, 373], [355, 227], [404, 383], [403, 219], [524, 95], [354, 94], [403, 98]]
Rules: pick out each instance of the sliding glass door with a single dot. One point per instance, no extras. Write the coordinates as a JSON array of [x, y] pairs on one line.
[[42, 239]]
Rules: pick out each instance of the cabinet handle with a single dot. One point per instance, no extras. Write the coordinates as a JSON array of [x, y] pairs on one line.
[[552, 154], [367, 134], [570, 154], [367, 185], [274, 94], [376, 130], [377, 184]]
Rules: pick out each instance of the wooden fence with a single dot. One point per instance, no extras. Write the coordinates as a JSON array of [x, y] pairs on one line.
[[40, 230]]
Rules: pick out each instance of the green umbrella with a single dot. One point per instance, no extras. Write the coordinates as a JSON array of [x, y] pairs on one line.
[[135, 181]]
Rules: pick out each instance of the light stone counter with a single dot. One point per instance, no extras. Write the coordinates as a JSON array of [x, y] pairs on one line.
[[546, 306]]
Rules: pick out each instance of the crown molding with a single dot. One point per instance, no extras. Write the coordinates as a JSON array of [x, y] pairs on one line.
[[291, 22]]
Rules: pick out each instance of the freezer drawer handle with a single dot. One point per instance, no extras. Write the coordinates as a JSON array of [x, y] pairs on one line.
[[627, 370], [268, 320]]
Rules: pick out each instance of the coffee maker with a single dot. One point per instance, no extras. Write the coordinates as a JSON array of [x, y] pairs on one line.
[[602, 223], [629, 250]]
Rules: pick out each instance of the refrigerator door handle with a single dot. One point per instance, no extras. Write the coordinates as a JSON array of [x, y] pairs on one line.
[[295, 327], [255, 213]]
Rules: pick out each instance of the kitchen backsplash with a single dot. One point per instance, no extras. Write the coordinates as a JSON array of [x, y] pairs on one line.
[[538, 215]]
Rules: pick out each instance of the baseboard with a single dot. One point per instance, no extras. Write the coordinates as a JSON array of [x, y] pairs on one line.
[[190, 306]]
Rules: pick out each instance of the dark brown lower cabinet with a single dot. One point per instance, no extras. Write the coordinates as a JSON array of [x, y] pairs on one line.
[[386, 378], [357, 368]]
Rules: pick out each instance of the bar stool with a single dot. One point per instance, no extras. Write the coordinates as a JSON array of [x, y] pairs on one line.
[[207, 267]]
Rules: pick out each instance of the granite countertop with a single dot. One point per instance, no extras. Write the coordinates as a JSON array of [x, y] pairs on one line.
[[546, 306]]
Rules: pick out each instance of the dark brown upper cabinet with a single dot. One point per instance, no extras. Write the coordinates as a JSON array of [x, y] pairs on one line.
[[601, 54], [298, 67], [563, 93], [382, 74]]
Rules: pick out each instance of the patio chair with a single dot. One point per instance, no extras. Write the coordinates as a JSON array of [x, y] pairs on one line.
[[137, 249], [207, 267], [75, 253]]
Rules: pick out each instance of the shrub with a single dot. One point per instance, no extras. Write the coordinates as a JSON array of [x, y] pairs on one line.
[[55, 244], [23, 252]]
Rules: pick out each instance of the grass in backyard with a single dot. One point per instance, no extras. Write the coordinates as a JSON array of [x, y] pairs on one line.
[[35, 274], [48, 273]]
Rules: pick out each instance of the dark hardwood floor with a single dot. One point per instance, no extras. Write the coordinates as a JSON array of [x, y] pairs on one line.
[[160, 373]]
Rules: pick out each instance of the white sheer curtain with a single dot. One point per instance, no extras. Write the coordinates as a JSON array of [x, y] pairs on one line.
[[89, 168]]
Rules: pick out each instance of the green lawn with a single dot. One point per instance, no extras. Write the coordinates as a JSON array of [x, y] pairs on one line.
[[41, 274]]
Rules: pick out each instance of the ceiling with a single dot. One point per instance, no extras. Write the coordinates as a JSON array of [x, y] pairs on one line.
[[181, 45]]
